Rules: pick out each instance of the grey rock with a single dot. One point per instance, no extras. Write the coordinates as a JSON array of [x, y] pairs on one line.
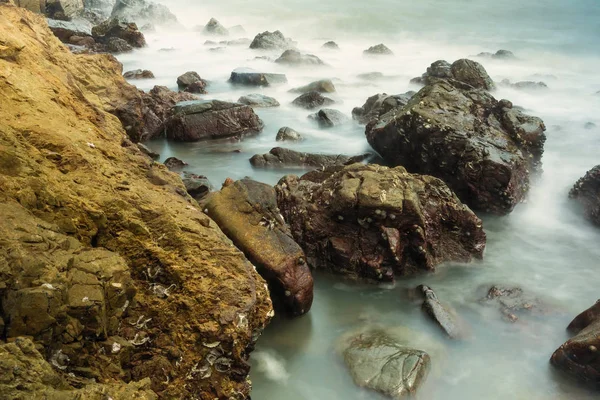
[[143, 12], [146, 150], [138, 74], [287, 134], [321, 86], [214, 27], [197, 186], [328, 118], [312, 100], [64, 30], [331, 45], [371, 76], [250, 77], [258, 100], [379, 50], [380, 104], [271, 40], [586, 192], [445, 317], [116, 28], [294, 57], [174, 163], [280, 157]]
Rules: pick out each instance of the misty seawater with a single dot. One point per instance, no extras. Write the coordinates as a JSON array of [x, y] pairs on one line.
[[545, 246]]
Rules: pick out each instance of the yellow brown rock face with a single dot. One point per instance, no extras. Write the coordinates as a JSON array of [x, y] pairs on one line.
[[105, 262]]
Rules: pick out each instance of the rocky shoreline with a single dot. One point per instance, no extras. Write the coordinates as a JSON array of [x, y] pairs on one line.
[[130, 278]]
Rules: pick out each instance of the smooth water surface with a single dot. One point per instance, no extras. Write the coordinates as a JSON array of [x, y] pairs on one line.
[[544, 246]]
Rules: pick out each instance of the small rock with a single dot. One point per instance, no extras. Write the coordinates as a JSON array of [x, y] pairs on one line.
[[524, 85], [378, 50], [379, 104], [258, 100], [174, 163], [285, 158], [146, 150], [288, 134], [444, 316], [312, 100], [331, 45], [371, 76], [250, 77], [214, 27], [115, 28], [237, 30], [294, 57], [191, 82], [321, 86], [589, 125], [327, 118], [504, 54], [138, 74], [271, 40], [197, 186], [117, 45]]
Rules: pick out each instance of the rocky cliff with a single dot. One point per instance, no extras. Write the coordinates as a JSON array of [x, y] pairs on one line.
[[106, 263]]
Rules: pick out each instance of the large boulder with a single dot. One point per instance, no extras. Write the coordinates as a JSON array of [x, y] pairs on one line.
[[484, 149], [578, 356], [271, 41], [250, 77], [294, 57], [380, 362], [514, 302], [463, 71], [143, 12], [65, 30], [101, 248], [321, 86], [258, 100], [247, 213], [115, 28], [280, 157], [214, 27], [380, 104], [63, 9], [211, 119], [374, 222], [587, 192], [312, 100]]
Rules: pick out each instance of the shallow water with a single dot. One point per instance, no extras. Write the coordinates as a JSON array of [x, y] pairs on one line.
[[544, 246]]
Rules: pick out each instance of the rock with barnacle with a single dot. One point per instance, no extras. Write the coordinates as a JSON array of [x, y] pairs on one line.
[[246, 211], [374, 222], [579, 356], [587, 192], [484, 149]]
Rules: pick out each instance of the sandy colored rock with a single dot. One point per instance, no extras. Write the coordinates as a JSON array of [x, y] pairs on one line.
[[88, 219]]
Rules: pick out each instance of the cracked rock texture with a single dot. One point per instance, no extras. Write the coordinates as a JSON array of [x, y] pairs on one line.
[[106, 263]]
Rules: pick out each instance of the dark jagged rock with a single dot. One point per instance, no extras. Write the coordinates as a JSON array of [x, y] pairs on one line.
[[146, 150], [379, 50], [312, 100], [585, 318], [380, 362], [191, 82], [115, 28], [214, 27], [513, 301], [258, 100], [462, 71], [118, 45], [211, 119], [286, 134], [578, 356], [321, 86], [247, 213], [374, 222], [294, 57], [439, 69], [524, 85], [174, 163], [380, 104], [143, 12], [250, 77], [197, 186], [445, 317], [279, 157], [138, 74], [331, 45], [64, 30], [271, 40], [587, 192], [328, 118], [484, 149], [63, 9]]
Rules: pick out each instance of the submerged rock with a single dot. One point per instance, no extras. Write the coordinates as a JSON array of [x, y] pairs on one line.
[[484, 149], [288, 134], [587, 192], [321, 86], [271, 40], [524, 85], [191, 82], [294, 57], [118, 45], [513, 301], [247, 213], [331, 45], [211, 119], [379, 50], [279, 157], [258, 100], [250, 77], [445, 317], [369, 221], [381, 363], [328, 118], [312, 100], [114, 28], [500, 54], [380, 104], [214, 27], [143, 12], [578, 356], [371, 76], [138, 74]]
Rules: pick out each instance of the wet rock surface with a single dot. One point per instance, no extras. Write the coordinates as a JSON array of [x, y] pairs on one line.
[[373, 222], [312, 100], [579, 356], [115, 28], [211, 119], [271, 40], [514, 302], [484, 149], [380, 104], [258, 100], [586, 191], [379, 50], [294, 57], [197, 186], [191, 82], [288, 134], [280, 157], [461, 72], [250, 77], [247, 213], [321, 86], [174, 163], [445, 317], [328, 118], [138, 74], [100, 250], [380, 362]]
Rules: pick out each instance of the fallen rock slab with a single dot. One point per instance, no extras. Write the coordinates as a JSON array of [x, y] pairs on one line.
[[280, 157], [445, 317], [250, 77]]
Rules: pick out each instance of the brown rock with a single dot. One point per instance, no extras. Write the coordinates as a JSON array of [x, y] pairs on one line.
[[587, 192]]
